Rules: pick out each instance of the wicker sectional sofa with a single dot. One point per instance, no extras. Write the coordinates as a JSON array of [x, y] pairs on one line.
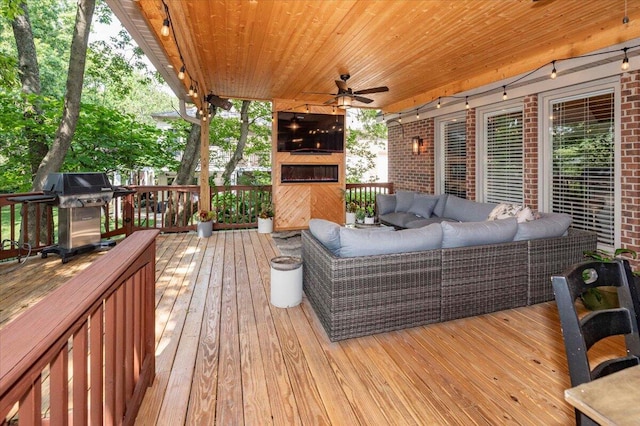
[[361, 295]]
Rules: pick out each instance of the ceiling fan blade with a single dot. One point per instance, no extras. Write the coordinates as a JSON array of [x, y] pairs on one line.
[[363, 99], [330, 101], [372, 90], [342, 86]]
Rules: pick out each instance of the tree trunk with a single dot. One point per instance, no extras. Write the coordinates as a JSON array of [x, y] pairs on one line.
[[244, 133], [188, 164], [190, 157], [75, 77], [30, 80]]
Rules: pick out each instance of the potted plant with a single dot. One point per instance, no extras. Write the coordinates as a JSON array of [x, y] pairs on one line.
[[205, 223], [370, 215], [360, 215], [606, 297], [265, 218], [352, 208]]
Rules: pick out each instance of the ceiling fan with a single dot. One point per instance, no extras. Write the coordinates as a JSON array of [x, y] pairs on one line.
[[346, 95]]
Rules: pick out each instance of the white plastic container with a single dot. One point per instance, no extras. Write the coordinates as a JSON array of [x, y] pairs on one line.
[[286, 281]]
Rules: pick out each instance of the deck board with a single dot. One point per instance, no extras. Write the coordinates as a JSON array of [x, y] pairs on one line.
[[225, 355]]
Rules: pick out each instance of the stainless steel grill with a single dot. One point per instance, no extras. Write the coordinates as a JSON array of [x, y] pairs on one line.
[[79, 197]]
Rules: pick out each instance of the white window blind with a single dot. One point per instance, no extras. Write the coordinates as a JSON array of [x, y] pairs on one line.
[[583, 162], [455, 158], [503, 181]]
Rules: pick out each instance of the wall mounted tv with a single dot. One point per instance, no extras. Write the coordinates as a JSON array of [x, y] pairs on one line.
[[301, 133]]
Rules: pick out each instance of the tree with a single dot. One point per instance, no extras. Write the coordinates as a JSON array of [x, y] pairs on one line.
[[360, 140], [75, 76]]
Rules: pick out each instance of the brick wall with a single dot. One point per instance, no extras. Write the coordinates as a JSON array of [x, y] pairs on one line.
[[407, 171], [411, 172], [630, 163], [530, 128]]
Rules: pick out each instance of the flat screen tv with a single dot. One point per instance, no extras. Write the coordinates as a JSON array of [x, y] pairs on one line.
[[301, 133]]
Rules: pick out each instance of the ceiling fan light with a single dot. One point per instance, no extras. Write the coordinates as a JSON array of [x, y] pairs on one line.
[[344, 102]]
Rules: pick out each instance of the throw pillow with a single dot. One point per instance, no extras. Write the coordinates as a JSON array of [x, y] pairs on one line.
[[327, 232], [506, 210], [423, 205], [463, 234], [404, 199], [386, 203]]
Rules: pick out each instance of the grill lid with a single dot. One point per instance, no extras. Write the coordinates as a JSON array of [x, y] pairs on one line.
[[77, 184]]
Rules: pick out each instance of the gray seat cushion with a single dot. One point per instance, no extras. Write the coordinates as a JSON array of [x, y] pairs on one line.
[[399, 219], [327, 232]]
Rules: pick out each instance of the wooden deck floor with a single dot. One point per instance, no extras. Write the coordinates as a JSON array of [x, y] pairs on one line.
[[226, 356]]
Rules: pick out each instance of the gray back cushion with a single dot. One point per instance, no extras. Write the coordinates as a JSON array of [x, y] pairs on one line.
[[466, 210], [327, 232], [404, 199], [365, 242], [423, 205], [464, 234], [386, 203], [438, 210], [547, 226]]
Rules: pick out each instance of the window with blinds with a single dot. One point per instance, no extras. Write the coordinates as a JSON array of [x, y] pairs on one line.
[[455, 158], [582, 137], [503, 177]]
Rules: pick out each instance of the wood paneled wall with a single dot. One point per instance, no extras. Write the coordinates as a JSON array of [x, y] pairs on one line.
[[296, 203]]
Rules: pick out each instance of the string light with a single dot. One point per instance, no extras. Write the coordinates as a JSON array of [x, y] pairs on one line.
[[625, 66], [164, 31], [191, 90], [625, 61], [417, 114], [181, 73]]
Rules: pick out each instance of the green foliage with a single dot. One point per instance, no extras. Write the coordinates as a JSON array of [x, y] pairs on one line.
[[105, 140], [225, 133], [362, 143]]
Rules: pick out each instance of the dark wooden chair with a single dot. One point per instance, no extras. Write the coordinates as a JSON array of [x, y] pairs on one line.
[[581, 333]]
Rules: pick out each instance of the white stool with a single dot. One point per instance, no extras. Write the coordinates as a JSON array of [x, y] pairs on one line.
[[286, 281]]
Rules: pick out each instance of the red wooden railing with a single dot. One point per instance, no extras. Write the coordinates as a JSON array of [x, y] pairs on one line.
[[165, 208], [100, 326]]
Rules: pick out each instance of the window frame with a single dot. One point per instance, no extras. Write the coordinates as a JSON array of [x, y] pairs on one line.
[[483, 113], [439, 151], [545, 149]]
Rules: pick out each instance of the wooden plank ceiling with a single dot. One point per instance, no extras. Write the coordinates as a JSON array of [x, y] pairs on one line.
[[294, 49]]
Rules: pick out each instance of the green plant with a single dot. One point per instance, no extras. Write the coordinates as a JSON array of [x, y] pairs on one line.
[[604, 297], [370, 211], [206, 215], [351, 207], [360, 214], [266, 211]]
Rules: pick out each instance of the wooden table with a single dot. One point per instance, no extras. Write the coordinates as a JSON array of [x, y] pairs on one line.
[[609, 400]]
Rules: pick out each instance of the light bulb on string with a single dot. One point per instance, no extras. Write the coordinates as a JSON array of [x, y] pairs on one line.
[[417, 114], [191, 90], [438, 106], [164, 31], [554, 74], [504, 93], [466, 102], [181, 73], [625, 61]]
